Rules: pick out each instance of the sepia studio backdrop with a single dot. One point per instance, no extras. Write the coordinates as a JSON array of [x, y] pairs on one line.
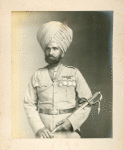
[[90, 52]]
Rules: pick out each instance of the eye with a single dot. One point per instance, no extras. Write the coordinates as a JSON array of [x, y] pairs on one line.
[[55, 48], [47, 48]]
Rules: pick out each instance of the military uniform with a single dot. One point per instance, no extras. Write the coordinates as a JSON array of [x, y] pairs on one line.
[[59, 94]]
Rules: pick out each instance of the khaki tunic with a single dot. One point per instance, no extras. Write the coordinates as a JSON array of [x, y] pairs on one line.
[[43, 93]]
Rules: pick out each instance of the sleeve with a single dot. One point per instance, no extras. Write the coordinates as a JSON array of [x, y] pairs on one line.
[[31, 106], [83, 91]]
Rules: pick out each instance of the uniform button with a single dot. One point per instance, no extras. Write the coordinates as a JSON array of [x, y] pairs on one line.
[[55, 92]]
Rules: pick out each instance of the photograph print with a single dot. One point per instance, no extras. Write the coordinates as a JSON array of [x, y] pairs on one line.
[[61, 74]]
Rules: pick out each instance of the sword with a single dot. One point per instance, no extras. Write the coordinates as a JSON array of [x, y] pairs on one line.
[[96, 98]]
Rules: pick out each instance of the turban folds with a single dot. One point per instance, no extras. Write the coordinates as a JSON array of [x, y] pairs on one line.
[[57, 32]]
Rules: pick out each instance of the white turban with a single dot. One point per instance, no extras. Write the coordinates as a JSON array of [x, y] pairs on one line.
[[55, 31]]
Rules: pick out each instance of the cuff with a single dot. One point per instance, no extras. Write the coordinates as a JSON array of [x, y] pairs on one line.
[[77, 119], [73, 122], [35, 122]]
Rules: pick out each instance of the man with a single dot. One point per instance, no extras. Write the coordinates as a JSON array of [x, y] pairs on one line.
[[54, 90]]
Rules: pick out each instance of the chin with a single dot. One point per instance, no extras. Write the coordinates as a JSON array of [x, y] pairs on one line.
[[52, 61]]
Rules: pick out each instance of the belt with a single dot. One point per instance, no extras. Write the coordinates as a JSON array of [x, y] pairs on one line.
[[56, 111]]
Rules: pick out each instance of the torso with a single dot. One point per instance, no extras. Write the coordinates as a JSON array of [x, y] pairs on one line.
[[58, 94]]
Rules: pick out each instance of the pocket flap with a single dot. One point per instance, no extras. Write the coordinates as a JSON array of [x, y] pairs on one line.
[[42, 88], [37, 84]]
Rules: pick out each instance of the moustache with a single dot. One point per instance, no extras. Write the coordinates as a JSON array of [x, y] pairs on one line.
[[50, 56]]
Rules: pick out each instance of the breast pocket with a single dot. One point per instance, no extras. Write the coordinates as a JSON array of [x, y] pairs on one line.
[[67, 90]]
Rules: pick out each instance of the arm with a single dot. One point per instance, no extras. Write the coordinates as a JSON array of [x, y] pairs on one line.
[[83, 91], [31, 106]]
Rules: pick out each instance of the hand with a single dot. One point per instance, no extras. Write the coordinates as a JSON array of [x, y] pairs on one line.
[[65, 125], [44, 133], [81, 101]]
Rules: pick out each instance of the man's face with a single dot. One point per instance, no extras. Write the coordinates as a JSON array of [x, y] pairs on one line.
[[53, 54]]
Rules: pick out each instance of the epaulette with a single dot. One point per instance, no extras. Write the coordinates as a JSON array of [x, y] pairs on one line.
[[42, 68], [70, 67]]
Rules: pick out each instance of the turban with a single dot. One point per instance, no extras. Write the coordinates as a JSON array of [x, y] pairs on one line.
[[57, 32]]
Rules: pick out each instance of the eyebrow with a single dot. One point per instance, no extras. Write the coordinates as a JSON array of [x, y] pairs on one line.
[[52, 47]]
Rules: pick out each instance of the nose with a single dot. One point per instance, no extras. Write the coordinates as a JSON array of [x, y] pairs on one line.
[[51, 51]]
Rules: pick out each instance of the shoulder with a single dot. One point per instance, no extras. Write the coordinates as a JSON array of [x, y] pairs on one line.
[[39, 72], [74, 70], [71, 69], [42, 69]]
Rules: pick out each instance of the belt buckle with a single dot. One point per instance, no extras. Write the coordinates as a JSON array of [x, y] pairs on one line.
[[54, 111]]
